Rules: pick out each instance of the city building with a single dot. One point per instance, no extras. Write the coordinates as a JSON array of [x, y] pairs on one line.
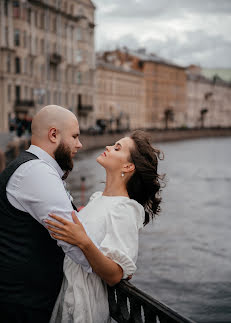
[[46, 57], [164, 104], [208, 100], [119, 97]]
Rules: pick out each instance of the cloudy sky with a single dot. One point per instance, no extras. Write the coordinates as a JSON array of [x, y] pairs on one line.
[[185, 31]]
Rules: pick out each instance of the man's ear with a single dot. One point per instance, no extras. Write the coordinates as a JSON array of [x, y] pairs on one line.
[[53, 135]]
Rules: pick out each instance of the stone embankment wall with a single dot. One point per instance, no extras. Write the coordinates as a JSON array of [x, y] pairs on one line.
[[100, 141], [9, 150]]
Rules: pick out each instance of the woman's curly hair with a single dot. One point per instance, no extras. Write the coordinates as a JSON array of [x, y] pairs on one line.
[[145, 184]]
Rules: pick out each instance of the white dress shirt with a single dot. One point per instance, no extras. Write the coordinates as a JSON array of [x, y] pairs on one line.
[[36, 187]]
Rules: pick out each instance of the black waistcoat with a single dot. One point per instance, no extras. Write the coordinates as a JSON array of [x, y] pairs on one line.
[[31, 263]]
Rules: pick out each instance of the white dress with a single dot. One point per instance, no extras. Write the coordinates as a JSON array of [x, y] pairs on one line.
[[113, 223]]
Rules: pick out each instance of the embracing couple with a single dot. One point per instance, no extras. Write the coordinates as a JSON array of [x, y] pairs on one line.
[[55, 262]]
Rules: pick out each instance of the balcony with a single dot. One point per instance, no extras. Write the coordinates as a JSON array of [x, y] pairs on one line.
[[83, 110], [55, 59], [23, 105], [129, 304]]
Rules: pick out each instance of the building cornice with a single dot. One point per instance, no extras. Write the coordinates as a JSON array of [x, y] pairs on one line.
[[44, 5], [216, 81], [120, 69]]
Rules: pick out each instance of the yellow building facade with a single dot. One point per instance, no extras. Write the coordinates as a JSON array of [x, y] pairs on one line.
[[164, 87], [119, 97]]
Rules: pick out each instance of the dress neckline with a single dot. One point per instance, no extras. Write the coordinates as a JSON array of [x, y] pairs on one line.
[[115, 196]]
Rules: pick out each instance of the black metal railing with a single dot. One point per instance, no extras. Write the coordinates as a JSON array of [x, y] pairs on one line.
[[129, 304]]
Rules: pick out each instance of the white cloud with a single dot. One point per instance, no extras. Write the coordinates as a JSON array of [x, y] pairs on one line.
[[183, 30]]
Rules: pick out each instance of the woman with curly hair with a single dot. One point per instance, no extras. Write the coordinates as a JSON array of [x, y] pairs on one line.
[[112, 219]]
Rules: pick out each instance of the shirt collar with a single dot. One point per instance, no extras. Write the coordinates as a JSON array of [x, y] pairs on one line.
[[43, 155]]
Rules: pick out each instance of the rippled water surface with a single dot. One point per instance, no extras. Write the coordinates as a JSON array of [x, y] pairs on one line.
[[185, 254]]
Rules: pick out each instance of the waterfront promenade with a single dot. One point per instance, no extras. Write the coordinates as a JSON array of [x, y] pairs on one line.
[[99, 141], [8, 141]]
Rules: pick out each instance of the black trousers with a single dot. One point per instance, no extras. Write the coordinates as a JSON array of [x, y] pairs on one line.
[[14, 313]]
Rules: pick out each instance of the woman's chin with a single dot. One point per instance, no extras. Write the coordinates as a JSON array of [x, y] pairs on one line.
[[99, 159]]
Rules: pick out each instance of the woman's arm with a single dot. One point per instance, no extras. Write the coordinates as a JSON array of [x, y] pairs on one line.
[[75, 234]]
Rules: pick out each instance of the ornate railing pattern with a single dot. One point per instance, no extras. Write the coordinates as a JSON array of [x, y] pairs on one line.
[[129, 304]]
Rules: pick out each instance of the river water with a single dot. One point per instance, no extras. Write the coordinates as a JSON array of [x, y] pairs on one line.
[[185, 254]]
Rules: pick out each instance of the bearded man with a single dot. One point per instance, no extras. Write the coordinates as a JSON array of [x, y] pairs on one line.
[[31, 187]]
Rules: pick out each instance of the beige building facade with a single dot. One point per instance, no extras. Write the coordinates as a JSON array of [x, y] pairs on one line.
[[47, 57], [119, 97], [208, 101], [164, 104]]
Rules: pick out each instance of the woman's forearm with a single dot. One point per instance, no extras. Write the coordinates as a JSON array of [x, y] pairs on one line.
[[75, 234], [104, 267]]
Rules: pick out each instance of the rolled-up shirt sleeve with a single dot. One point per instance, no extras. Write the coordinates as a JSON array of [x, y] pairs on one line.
[[39, 190]]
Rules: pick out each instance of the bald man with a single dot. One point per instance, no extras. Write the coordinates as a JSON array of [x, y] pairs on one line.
[[31, 187]]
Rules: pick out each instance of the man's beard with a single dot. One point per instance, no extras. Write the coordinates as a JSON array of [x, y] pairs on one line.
[[63, 157]]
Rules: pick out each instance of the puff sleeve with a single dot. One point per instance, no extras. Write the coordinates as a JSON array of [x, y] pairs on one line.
[[121, 240], [95, 195]]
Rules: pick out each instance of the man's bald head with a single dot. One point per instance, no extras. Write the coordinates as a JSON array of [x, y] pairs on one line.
[[56, 131], [49, 117]]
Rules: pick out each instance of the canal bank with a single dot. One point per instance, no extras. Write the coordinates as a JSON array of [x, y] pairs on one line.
[[98, 141], [11, 145]]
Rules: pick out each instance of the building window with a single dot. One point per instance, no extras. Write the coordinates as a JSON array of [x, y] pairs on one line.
[[79, 77], [16, 9], [79, 101], [36, 19], [54, 25], [79, 35], [42, 46], [7, 36], [17, 65], [6, 7], [48, 97], [29, 43], [25, 65], [31, 67], [24, 39], [36, 45], [9, 92], [29, 15], [8, 63], [42, 20], [17, 93], [73, 100], [54, 74], [17, 37], [55, 97], [26, 93], [78, 56]]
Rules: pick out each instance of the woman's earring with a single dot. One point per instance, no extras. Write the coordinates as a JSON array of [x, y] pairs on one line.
[[122, 174]]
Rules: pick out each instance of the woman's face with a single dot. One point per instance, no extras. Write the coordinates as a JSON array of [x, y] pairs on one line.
[[116, 157]]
